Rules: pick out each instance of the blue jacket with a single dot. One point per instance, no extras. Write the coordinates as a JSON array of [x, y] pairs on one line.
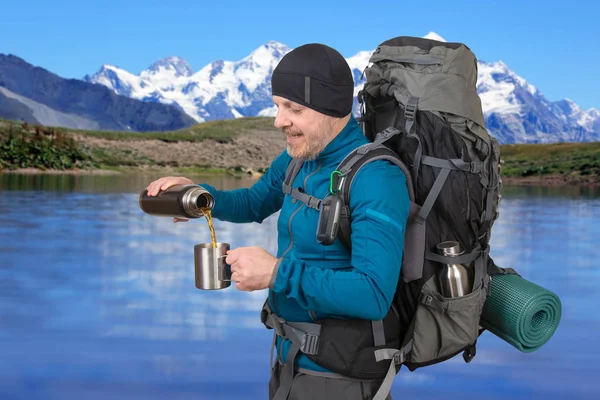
[[314, 281]]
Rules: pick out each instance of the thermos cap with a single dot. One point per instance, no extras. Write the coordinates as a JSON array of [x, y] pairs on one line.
[[449, 248]]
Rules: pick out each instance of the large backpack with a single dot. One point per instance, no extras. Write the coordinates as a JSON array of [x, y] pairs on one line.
[[420, 110], [419, 105]]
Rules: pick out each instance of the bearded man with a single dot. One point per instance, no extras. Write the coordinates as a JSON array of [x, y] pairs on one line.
[[307, 281]]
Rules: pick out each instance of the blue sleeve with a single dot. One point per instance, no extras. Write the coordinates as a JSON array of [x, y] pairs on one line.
[[379, 207], [256, 203]]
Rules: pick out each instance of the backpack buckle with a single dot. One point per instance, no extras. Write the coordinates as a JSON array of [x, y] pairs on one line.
[[410, 108], [365, 148], [310, 344], [425, 299], [399, 358], [385, 134], [389, 131], [430, 301], [277, 322], [475, 167]]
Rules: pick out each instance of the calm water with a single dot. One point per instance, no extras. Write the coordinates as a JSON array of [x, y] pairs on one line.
[[97, 300]]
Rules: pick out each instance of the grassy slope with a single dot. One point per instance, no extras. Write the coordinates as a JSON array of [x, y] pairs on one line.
[[574, 161], [115, 159], [217, 130]]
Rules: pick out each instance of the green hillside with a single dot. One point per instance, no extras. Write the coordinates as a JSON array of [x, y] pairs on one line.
[[575, 160], [23, 145]]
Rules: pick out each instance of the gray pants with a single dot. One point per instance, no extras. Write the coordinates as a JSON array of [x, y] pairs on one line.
[[323, 386]]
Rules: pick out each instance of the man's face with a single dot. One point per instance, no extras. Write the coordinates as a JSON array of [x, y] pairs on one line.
[[308, 131]]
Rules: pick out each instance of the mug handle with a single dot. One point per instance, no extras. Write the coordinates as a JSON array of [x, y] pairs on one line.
[[225, 265]]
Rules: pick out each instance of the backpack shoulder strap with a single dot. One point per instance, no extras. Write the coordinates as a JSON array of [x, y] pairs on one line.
[[349, 167], [290, 175]]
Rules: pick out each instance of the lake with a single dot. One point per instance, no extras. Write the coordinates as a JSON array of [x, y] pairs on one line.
[[97, 299]]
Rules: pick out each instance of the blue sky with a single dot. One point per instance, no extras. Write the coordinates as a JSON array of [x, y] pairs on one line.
[[552, 44]]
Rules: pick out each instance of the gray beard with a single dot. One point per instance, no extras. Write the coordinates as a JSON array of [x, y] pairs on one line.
[[314, 146]]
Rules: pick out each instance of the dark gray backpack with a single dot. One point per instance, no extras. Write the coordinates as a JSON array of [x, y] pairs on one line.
[[421, 111]]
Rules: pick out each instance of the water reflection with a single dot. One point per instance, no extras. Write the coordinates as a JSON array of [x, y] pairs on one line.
[[108, 182], [567, 191], [97, 299]]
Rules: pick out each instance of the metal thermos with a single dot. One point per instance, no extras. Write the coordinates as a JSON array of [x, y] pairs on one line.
[[455, 279], [180, 201]]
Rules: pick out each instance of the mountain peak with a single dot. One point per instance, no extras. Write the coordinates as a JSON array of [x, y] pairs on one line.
[[270, 50], [501, 64], [177, 64], [273, 44], [434, 36], [107, 67]]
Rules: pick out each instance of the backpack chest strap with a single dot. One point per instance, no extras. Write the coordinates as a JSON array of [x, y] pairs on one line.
[[308, 200], [297, 194]]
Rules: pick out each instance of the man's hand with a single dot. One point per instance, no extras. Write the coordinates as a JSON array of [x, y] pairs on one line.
[[162, 184], [251, 267]]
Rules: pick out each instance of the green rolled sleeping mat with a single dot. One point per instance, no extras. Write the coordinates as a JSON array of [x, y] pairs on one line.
[[520, 312]]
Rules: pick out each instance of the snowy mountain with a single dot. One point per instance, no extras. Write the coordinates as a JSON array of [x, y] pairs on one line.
[[35, 95], [515, 111], [220, 90]]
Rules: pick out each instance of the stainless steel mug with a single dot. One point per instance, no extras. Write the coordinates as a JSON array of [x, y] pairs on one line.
[[211, 270]]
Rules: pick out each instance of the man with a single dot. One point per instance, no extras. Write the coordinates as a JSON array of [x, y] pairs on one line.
[[313, 88]]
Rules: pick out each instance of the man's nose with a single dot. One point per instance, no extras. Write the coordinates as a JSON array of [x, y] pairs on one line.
[[281, 121]]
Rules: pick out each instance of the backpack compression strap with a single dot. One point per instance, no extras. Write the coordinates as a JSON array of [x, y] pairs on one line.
[[397, 357], [445, 167]]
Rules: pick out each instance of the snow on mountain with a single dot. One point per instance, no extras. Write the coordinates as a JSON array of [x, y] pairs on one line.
[[496, 86], [590, 119], [260, 63], [173, 66], [434, 36], [220, 90], [357, 64], [515, 110]]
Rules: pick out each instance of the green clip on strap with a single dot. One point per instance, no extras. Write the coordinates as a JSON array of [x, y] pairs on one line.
[[340, 182]]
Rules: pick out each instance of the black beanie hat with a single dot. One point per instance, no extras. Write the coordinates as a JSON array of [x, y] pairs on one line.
[[316, 76]]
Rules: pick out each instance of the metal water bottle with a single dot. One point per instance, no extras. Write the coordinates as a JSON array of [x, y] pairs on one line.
[[180, 201], [455, 279]]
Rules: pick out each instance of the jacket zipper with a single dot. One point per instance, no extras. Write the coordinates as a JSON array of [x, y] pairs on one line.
[[292, 241], [290, 225]]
